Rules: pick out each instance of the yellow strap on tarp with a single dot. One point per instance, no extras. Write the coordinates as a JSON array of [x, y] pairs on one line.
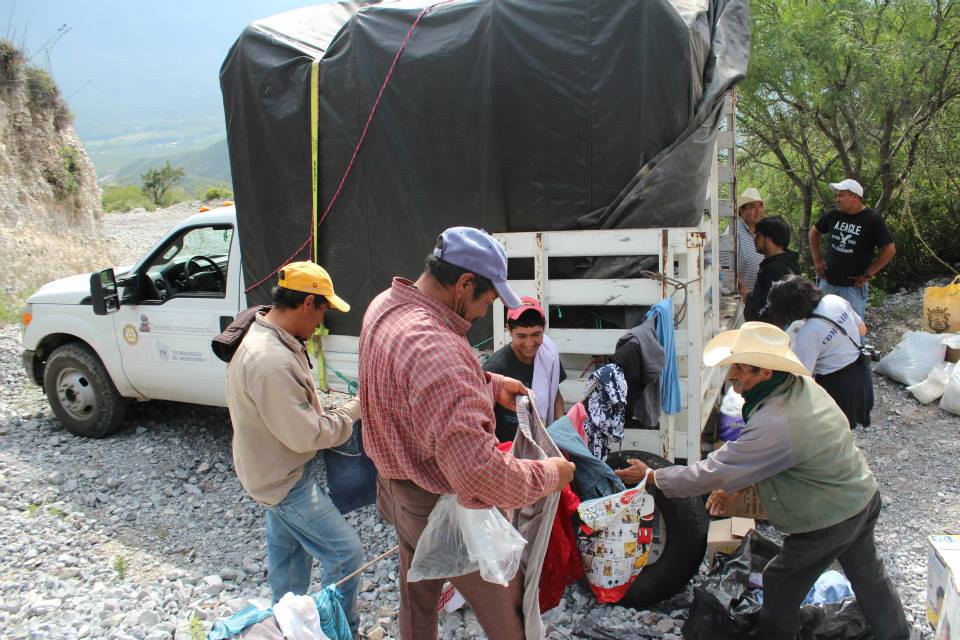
[[315, 145], [316, 342], [315, 184]]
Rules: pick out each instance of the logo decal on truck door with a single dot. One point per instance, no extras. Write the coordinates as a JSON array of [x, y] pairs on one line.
[[130, 335]]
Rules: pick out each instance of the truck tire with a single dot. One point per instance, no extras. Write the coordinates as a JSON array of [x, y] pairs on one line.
[[81, 393], [680, 540]]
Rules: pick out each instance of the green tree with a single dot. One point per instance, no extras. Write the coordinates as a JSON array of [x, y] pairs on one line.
[[848, 88], [157, 182]]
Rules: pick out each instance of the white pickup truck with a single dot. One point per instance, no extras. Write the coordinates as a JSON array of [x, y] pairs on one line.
[[96, 341]]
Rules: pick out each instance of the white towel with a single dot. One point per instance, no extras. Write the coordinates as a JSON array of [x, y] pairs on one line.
[[546, 378]]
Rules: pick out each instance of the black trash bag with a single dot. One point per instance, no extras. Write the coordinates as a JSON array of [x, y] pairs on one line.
[[834, 621], [726, 608]]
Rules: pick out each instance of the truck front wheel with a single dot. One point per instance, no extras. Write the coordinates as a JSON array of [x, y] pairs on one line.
[[81, 393]]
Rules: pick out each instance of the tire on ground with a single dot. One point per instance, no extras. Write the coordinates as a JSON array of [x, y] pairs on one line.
[[94, 408], [686, 522]]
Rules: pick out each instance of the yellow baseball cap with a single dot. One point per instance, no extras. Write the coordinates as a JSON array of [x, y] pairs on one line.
[[309, 277]]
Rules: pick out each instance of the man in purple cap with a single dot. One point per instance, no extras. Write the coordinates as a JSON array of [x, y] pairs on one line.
[[855, 232], [428, 420]]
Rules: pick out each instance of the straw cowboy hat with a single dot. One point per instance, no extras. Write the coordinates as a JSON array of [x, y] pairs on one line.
[[755, 343], [748, 196]]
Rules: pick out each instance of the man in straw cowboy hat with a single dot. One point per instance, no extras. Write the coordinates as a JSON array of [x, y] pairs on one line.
[[750, 211], [813, 481]]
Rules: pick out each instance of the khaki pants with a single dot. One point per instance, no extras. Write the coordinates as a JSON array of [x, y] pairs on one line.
[[498, 609]]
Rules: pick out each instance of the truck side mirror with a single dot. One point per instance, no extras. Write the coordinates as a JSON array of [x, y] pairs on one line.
[[103, 292]]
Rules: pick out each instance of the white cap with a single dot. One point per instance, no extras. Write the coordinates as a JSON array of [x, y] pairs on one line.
[[848, 185]]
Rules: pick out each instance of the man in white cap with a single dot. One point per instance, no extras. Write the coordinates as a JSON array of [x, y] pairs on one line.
[[814, 483], [750, 212], [429, 424], [279, 426], [854, 233]]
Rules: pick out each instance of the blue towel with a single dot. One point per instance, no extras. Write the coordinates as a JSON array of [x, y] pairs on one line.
[[670, 378], [593, 478], [229, 627]]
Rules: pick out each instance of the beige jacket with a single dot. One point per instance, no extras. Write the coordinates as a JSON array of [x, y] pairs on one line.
[[278, 423]]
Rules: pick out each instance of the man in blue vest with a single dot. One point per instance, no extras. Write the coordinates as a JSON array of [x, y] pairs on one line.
[[815, 485]]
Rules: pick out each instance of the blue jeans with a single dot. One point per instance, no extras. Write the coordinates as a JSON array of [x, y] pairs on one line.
[[856, 296], [307, 525]]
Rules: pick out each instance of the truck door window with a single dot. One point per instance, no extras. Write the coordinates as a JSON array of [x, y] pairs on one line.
[[194, 263]]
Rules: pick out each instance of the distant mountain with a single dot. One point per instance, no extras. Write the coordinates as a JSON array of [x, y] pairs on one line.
[[203, 166]]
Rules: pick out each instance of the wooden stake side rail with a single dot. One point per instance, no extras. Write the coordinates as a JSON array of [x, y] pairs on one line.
[[681, 255], [687, 257]]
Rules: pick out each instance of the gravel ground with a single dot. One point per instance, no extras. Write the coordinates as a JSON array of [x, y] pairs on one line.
[[148, 534]]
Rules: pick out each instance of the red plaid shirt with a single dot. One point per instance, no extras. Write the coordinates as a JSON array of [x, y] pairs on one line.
[[428, 407]]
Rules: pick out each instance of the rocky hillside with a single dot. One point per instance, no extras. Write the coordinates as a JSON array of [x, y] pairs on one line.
[[50, 208]]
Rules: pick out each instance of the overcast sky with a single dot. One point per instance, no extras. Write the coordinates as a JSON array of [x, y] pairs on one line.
[[121, 61]]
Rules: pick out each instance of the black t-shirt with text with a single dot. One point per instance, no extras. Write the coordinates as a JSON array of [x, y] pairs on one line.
[[505, 362], [852, 240]]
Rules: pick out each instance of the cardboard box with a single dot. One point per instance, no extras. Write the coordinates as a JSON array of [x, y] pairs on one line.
[[749, 505], [943, 585], [724, 536]]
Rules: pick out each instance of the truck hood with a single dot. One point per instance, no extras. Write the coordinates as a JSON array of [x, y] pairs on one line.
[[69, 290]]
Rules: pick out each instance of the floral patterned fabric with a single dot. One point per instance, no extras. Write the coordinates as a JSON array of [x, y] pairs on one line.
[[606, 409]]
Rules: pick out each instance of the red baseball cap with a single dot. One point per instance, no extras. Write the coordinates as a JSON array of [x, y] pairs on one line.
[[526, 303]]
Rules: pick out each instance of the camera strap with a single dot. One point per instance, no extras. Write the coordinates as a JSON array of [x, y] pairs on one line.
[[842, 330]]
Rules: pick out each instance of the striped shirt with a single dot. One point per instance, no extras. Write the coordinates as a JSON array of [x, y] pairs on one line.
[[748, 258], [427, 406]]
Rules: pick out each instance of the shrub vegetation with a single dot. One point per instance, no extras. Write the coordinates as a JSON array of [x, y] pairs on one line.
[[121, 198]]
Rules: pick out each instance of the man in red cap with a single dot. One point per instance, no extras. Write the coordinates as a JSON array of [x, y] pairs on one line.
[[532, 358]]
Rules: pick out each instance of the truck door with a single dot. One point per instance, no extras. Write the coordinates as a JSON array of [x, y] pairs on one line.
[[182, 296]]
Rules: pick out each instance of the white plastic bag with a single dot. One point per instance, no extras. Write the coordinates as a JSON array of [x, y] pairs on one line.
[[730, 422], [910, 361], [298, 619], [951, 394], [732, 404], [952, 340], [458, 541], [935, 384], [618, 546]]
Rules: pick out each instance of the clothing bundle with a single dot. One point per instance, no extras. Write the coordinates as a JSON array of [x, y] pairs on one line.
[[318, 616]]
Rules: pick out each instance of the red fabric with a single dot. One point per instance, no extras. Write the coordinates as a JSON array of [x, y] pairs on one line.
[[578, 415], [562, 564], [427, 406]]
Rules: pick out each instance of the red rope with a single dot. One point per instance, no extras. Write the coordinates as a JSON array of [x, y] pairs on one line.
[[356, 149]]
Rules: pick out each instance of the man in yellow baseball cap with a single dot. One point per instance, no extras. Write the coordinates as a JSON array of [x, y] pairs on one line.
[[279, 426], [311, 278]]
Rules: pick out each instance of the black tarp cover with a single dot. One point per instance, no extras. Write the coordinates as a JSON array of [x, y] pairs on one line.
[[510, 115]]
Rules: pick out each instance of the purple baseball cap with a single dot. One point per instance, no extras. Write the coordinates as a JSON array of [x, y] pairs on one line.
[[478, 252]]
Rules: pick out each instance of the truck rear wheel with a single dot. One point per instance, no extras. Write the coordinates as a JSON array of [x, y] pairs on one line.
[[81, 393], [679, 540]]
